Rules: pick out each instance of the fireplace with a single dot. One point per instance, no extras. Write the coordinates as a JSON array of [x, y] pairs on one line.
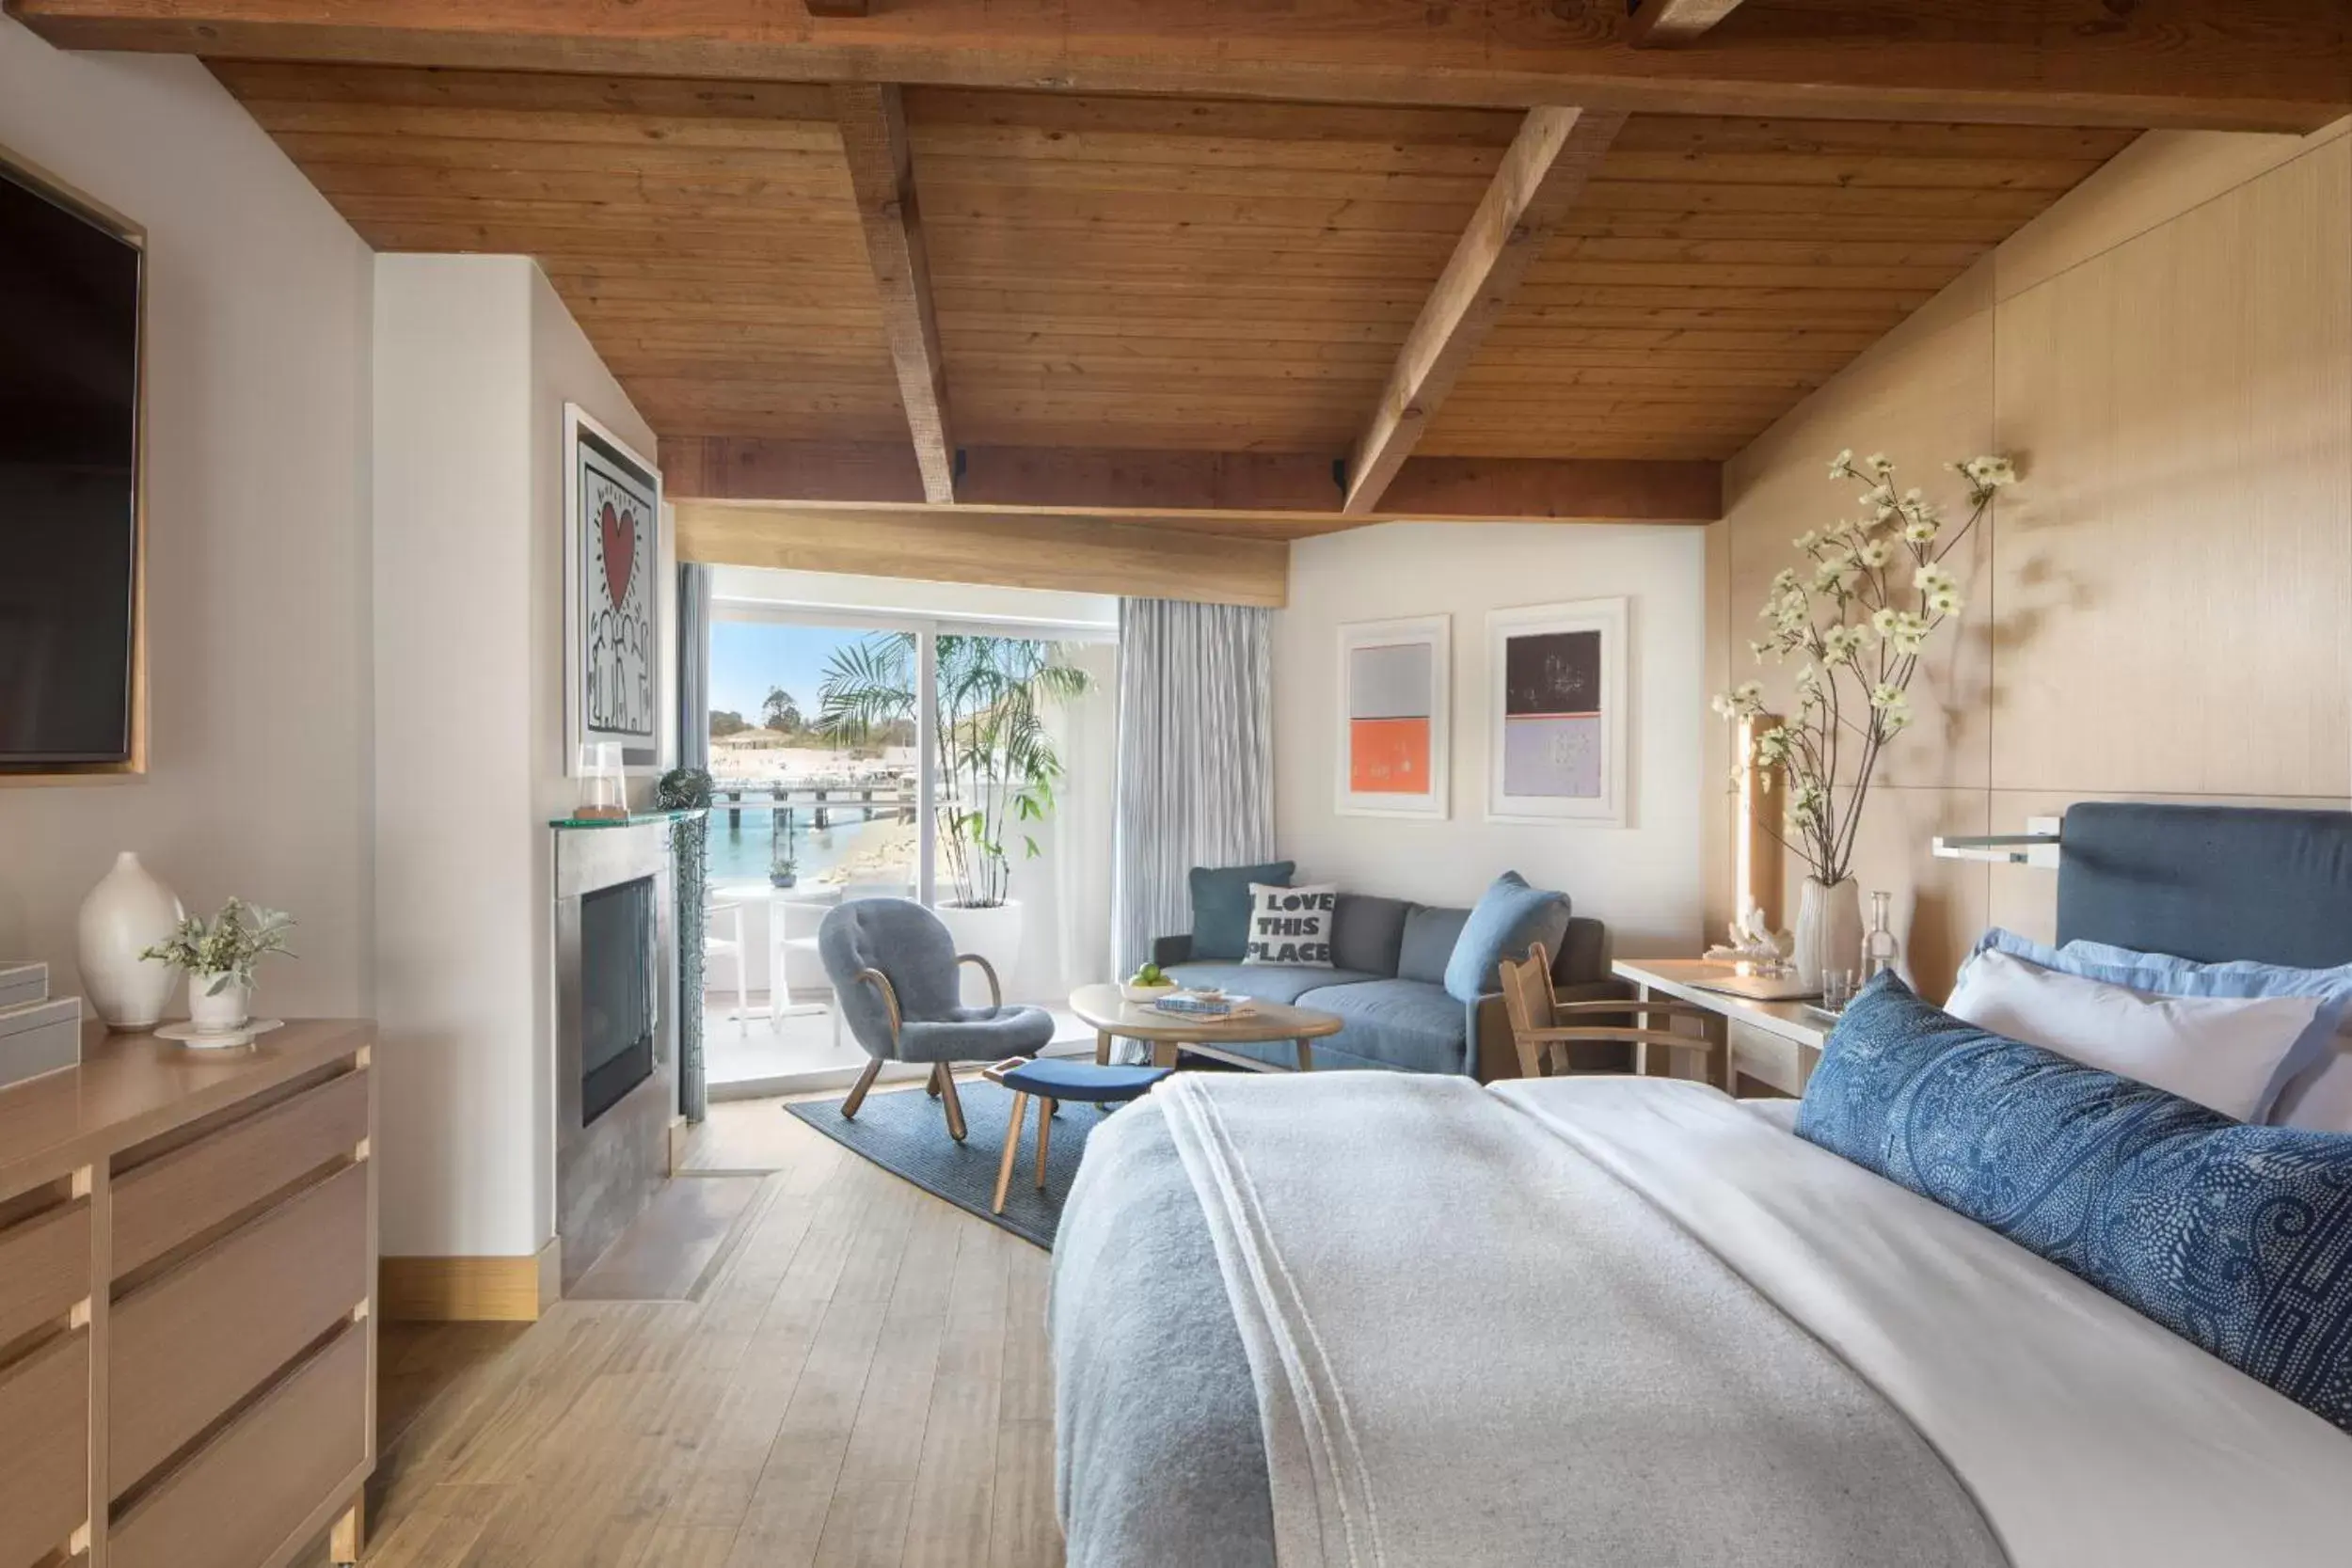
[[615, 1064], [617, 994]]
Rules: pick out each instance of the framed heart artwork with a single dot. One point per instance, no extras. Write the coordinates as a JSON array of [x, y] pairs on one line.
[[613, 632]]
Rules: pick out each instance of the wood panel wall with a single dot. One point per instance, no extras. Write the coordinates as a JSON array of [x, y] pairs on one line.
[[2156, 610]]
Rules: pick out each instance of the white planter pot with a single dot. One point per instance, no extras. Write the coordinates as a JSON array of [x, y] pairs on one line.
[[994, 934], [218, 1012], [1829, 929], [126, 913]]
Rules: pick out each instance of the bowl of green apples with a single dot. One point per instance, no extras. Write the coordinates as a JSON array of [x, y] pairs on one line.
[[1149, 985]]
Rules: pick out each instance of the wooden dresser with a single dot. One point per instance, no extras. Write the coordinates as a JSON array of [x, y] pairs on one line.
[[187, 1267]]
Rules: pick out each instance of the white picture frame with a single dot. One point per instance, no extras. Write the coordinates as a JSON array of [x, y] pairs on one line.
[[615, 616], [1556, 747], [1394, 713]]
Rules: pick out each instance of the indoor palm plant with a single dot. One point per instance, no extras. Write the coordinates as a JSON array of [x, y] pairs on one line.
[[997, 764], [219, 958], [1856, 619]]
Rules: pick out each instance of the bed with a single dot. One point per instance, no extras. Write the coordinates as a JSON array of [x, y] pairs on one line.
[[1364, 1319]]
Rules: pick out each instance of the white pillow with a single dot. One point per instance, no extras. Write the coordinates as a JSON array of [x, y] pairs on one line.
[[2228, 1054], [1291, 924]]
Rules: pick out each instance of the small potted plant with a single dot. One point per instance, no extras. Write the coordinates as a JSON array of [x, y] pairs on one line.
[[219, 958]]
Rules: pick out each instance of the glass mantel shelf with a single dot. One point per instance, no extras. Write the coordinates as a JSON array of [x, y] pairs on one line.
[[635, 819]]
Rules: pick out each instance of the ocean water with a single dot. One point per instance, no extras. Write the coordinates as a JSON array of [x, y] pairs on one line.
[[743, 855]]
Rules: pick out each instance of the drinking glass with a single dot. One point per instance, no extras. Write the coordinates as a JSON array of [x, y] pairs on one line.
[[1837, 989]]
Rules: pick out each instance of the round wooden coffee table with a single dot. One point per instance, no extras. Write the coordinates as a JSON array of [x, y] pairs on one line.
[[1116, 1018]]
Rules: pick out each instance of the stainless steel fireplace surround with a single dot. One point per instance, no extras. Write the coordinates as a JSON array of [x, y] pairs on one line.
[[608, 1168]]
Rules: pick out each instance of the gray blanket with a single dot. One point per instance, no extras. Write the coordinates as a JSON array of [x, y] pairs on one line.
[[1654, 1409]]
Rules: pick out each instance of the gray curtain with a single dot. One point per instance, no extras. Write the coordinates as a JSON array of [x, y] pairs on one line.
[[693, 666], [689, 838], [1195, 758]]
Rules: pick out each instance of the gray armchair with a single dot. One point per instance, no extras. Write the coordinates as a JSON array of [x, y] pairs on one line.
[[898, 981]]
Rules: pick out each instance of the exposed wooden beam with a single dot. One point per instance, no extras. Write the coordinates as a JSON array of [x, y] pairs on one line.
[[1664, 23], [1543, 172], [1272, 493], [1010, 549], [874, 142], [835, 8], [2245, 65]]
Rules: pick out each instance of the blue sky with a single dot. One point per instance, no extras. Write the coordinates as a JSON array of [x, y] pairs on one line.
[[749, 657]]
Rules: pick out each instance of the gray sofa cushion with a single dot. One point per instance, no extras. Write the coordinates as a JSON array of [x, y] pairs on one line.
[[1399, 1024], [1282, 984], [1368, 933], [1430, 933], [1510, 918], [1583, 954]]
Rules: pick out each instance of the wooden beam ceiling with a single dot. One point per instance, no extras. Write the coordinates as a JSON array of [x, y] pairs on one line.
[[1543, 172], [874, 143], [1664, 23], [1267, 495], [2282, 65]]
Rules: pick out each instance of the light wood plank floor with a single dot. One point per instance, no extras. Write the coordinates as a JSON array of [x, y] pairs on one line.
[[864, 1382]]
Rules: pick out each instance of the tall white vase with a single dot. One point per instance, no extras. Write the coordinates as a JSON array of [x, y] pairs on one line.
[[126, 913], [1829, 929]]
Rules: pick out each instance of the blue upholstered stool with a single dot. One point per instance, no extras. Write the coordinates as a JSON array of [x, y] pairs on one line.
[[1049, 1084]]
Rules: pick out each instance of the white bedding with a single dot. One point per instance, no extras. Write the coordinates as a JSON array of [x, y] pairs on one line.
[[1418, 1408], [2087, 1432]]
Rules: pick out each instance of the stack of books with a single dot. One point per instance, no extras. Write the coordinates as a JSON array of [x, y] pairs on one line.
[[37, 1035], [1186, 1003]]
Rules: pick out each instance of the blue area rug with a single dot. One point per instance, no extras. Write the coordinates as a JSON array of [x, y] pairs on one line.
[[905, 1132]]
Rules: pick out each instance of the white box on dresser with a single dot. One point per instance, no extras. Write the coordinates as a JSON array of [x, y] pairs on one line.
[[37, 1037], [23, 980]]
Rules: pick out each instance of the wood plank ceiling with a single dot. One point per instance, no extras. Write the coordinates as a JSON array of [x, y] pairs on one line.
[[1184, 274]]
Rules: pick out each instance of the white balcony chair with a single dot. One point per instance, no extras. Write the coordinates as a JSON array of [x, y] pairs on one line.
[[726, 912]]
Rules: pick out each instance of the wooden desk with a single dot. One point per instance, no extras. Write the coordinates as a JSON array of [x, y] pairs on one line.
[[187, 1265], [1776, 1043]]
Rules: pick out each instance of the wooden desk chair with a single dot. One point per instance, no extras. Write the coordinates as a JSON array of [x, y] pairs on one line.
[[1546, 1027]]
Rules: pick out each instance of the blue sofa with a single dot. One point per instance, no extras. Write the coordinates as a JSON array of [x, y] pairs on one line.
[[1388, 984]]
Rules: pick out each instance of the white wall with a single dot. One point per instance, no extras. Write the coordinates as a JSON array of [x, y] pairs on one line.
[[476, 361], [1645, 879], [256, 479]]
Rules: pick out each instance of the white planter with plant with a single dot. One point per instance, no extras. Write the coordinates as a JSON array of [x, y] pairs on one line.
[[1856, 625], [997, 764], [219, 958]]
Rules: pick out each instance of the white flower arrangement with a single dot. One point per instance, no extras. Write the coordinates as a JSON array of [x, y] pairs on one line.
[[1858, 631]]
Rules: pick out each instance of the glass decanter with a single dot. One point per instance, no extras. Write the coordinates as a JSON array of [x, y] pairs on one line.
[[1880, 950]]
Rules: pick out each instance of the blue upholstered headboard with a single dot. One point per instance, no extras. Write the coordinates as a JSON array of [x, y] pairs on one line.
[[2209, 882]]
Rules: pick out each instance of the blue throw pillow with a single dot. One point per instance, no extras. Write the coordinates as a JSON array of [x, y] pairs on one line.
[[1510, 918], [1220, 906], [2237, 1238]]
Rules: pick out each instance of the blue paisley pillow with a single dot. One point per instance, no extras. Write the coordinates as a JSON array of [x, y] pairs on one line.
[[2237, 1238]]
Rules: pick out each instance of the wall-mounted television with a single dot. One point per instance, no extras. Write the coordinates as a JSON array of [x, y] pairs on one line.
[[70, 282]]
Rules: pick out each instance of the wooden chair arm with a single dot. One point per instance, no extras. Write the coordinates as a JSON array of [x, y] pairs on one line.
[[1637, 1036], [1672, 1009], [890, 1000], [995, 990]]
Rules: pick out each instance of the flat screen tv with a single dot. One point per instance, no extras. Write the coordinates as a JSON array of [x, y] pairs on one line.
[[70, 344]]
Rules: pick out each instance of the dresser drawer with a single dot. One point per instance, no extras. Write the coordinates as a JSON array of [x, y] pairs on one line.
[[238, 1500], [44, 1268], [170, 1200], [187, 1346], [45, 1449]]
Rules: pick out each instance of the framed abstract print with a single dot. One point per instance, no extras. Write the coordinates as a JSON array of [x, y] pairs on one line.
[[1395, 730], [1556, 724], [612, 631]]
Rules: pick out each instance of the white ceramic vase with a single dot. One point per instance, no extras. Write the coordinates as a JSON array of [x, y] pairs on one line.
[[218, 1012], [1829, 927], [994, 933], [126, 913]]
